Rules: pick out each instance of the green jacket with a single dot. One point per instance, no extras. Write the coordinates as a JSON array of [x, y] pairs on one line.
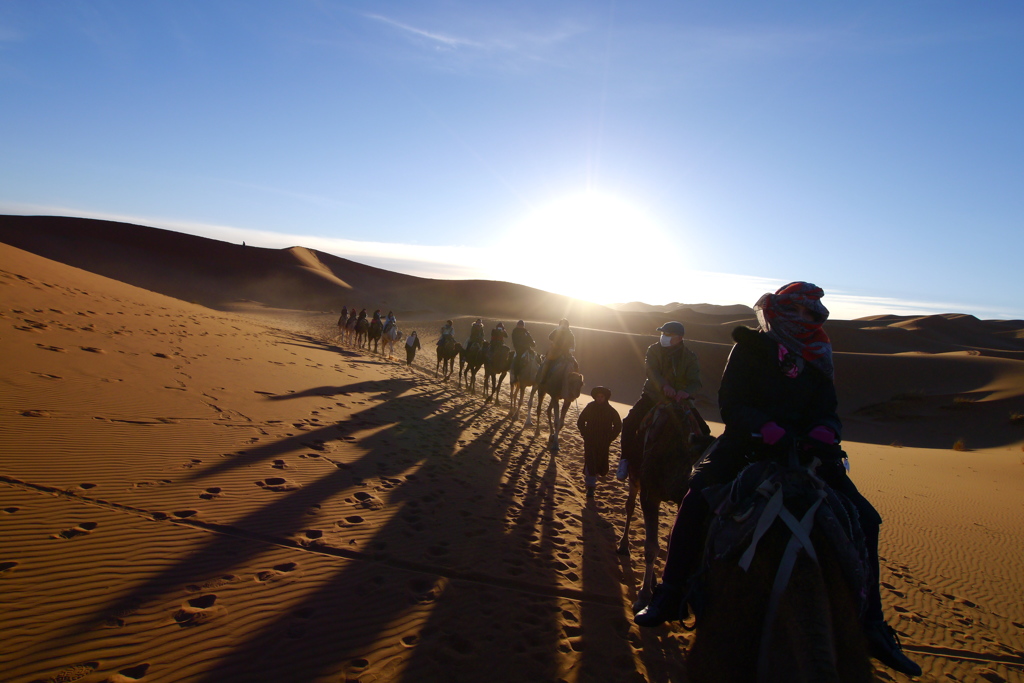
[[673, 365]]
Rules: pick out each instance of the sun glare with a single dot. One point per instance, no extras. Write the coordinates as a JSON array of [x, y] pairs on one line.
[[590, 246]]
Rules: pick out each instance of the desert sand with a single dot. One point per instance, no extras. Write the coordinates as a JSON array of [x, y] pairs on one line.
[[198, 482]]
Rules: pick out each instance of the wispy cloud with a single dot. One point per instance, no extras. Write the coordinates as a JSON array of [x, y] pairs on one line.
[[447, 41]]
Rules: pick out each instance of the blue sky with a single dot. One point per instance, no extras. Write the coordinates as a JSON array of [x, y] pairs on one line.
[[655, 151]]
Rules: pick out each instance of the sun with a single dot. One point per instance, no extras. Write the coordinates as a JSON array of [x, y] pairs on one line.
[[590, 245]]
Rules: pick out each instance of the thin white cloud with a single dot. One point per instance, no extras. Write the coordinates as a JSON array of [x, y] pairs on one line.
[[448, 41]]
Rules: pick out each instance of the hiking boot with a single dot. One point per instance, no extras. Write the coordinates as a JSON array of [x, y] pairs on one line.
[[666, 603], [884, 645]]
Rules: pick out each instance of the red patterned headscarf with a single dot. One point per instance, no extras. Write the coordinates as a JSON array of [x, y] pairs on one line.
[[780, 318]]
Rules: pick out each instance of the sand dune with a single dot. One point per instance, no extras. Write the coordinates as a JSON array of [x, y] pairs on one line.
[[194, 494]]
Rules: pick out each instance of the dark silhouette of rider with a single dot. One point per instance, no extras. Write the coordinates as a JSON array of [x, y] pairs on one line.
[[779, 383], [522, 340], [563, 343], [498, 336], [447, 331], [476, 333], [673, 374]]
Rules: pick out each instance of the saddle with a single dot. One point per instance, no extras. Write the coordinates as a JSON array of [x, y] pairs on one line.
[[764, 491]]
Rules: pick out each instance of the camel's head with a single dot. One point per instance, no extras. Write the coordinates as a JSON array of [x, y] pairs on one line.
[[573, 385]]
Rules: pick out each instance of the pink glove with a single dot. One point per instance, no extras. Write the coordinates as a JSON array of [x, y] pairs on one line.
[[771, 433], [823, 434]]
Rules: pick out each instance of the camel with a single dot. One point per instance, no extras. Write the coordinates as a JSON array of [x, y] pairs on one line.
[[470, 361], [496, 366], [522, 374], [446, 354], [342, 320], [390, 335], [349, 333], [362, 328], [563, 383], [668, 454], [373, 335], [757, 623]]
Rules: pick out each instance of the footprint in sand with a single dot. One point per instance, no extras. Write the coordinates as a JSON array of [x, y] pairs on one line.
[[211, 493], [185, 514], [277, 484], [365, 500], [58, 349], [200, 610], [11, 510], [146, 484], [92, 349], [351, 520], [80, 530], [87, 486], [35, 413], [132, 673], [47, 376], [6, 566], [280, 465], [277, 572], [212, 583]]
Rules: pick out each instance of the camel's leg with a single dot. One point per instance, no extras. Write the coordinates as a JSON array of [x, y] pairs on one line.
[[512, 412], [529, 407], [553, 425], [650, 508], [634, 487], [540, 407], [497, 390]]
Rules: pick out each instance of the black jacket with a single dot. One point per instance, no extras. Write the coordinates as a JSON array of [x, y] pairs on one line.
[[521, 339], [755, 390]]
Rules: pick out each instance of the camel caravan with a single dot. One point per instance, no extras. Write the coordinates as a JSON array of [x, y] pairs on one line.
[[773, 557]]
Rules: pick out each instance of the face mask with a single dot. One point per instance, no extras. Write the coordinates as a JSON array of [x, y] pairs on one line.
[[665, 340]]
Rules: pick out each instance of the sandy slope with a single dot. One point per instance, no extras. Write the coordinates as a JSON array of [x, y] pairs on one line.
[[195, 495]]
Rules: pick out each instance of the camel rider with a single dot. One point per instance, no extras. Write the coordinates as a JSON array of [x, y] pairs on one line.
[[522, 341], [344, 316], [779, 383], [673, 374], [447, 332], [498, 336], [376, 315], [563, 343], [391, 320], [362, 314], [476, 333]]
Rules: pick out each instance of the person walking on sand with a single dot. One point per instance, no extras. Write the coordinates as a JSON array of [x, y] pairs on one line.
[[599, 424], [778, 383], [411, 345]]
